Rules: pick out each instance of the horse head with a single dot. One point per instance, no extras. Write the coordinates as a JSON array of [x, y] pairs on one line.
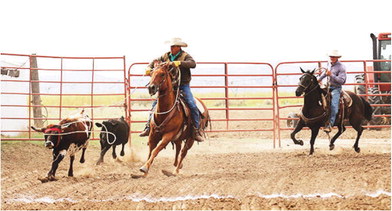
[[161, 78], [306, 82]]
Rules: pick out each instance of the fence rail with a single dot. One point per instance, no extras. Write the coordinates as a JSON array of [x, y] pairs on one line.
[[251, 97]]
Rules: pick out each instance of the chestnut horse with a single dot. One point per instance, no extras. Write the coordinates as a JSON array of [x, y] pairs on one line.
[[314, 115], [170, 122]]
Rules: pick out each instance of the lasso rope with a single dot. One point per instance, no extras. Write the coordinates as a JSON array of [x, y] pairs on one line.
[[177, 95], [107, 135], [86, 131]]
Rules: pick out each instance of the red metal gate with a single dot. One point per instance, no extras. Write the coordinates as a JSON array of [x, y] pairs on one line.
[[57, 87], [239, 95], [249, 97]]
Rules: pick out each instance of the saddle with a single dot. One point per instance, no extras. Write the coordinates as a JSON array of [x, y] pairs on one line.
[[344, 105], [187, 113]]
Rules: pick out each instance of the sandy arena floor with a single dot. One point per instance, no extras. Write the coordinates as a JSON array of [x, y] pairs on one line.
[[221, 173]]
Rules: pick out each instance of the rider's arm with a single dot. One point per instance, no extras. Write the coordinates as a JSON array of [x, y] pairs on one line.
[[188, 62]]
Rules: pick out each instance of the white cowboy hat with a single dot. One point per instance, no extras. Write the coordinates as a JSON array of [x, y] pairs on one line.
[[334, 53], [177, 42]]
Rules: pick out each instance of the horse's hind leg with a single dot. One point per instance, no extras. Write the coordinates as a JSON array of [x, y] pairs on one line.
[[357, 126], [341, 129], [178, 148], [188, 144], [298, 128]]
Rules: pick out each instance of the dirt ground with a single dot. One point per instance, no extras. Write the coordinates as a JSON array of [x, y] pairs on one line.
[[221, 173]]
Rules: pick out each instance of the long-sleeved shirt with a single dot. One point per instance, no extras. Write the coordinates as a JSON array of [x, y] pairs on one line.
[[338, 74], [187, 62]]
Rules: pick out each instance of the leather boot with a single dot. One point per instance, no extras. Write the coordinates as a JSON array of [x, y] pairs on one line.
[[328, 128], [197, 135], [145, 132]]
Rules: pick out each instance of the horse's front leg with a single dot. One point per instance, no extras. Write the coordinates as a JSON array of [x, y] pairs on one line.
[[155, 150], [315, 131], [298, 128]]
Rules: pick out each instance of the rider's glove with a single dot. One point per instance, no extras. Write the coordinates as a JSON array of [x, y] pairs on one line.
[[176, 63], [148, 71]]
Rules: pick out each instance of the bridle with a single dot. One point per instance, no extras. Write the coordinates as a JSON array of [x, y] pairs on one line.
[[307, 87], [178, 92]]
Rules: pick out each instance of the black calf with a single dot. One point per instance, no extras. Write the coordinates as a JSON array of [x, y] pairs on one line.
[[114, 132]]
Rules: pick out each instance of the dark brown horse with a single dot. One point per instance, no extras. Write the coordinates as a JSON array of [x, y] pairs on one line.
[[171, 121], [314, 115]]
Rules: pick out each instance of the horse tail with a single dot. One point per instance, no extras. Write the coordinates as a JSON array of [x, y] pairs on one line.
[[368, 109], [209, 122]]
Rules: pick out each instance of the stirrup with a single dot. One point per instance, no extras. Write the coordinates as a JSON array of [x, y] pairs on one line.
[[328, 129], [197, 135]]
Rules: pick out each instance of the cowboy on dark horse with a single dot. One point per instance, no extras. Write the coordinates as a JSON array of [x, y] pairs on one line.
[[337, 77], [181, 59]]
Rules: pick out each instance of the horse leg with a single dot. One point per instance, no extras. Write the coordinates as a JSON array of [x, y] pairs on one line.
[[178, 148], [341, 129], [298, 128], [315, 131], [357, 126], [154, 152], [188, 144]]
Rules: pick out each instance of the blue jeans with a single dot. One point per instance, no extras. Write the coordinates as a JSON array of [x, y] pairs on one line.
[[335, 93], [186, 90]]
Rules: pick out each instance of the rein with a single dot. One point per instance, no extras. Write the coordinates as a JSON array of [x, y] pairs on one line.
[[313, 119], [177, 95]]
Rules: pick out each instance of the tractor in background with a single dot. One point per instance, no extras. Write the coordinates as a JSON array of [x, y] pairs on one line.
[[379, 90]]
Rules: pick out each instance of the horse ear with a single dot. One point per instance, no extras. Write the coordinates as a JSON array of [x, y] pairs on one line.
[[313, 71], [156, 62], [303, 71]]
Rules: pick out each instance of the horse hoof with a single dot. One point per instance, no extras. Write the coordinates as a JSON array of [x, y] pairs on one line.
[[169, 174], [331, 147], [144, 169], [52, 178], [357, 149], [300, 142], [44, 179]]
